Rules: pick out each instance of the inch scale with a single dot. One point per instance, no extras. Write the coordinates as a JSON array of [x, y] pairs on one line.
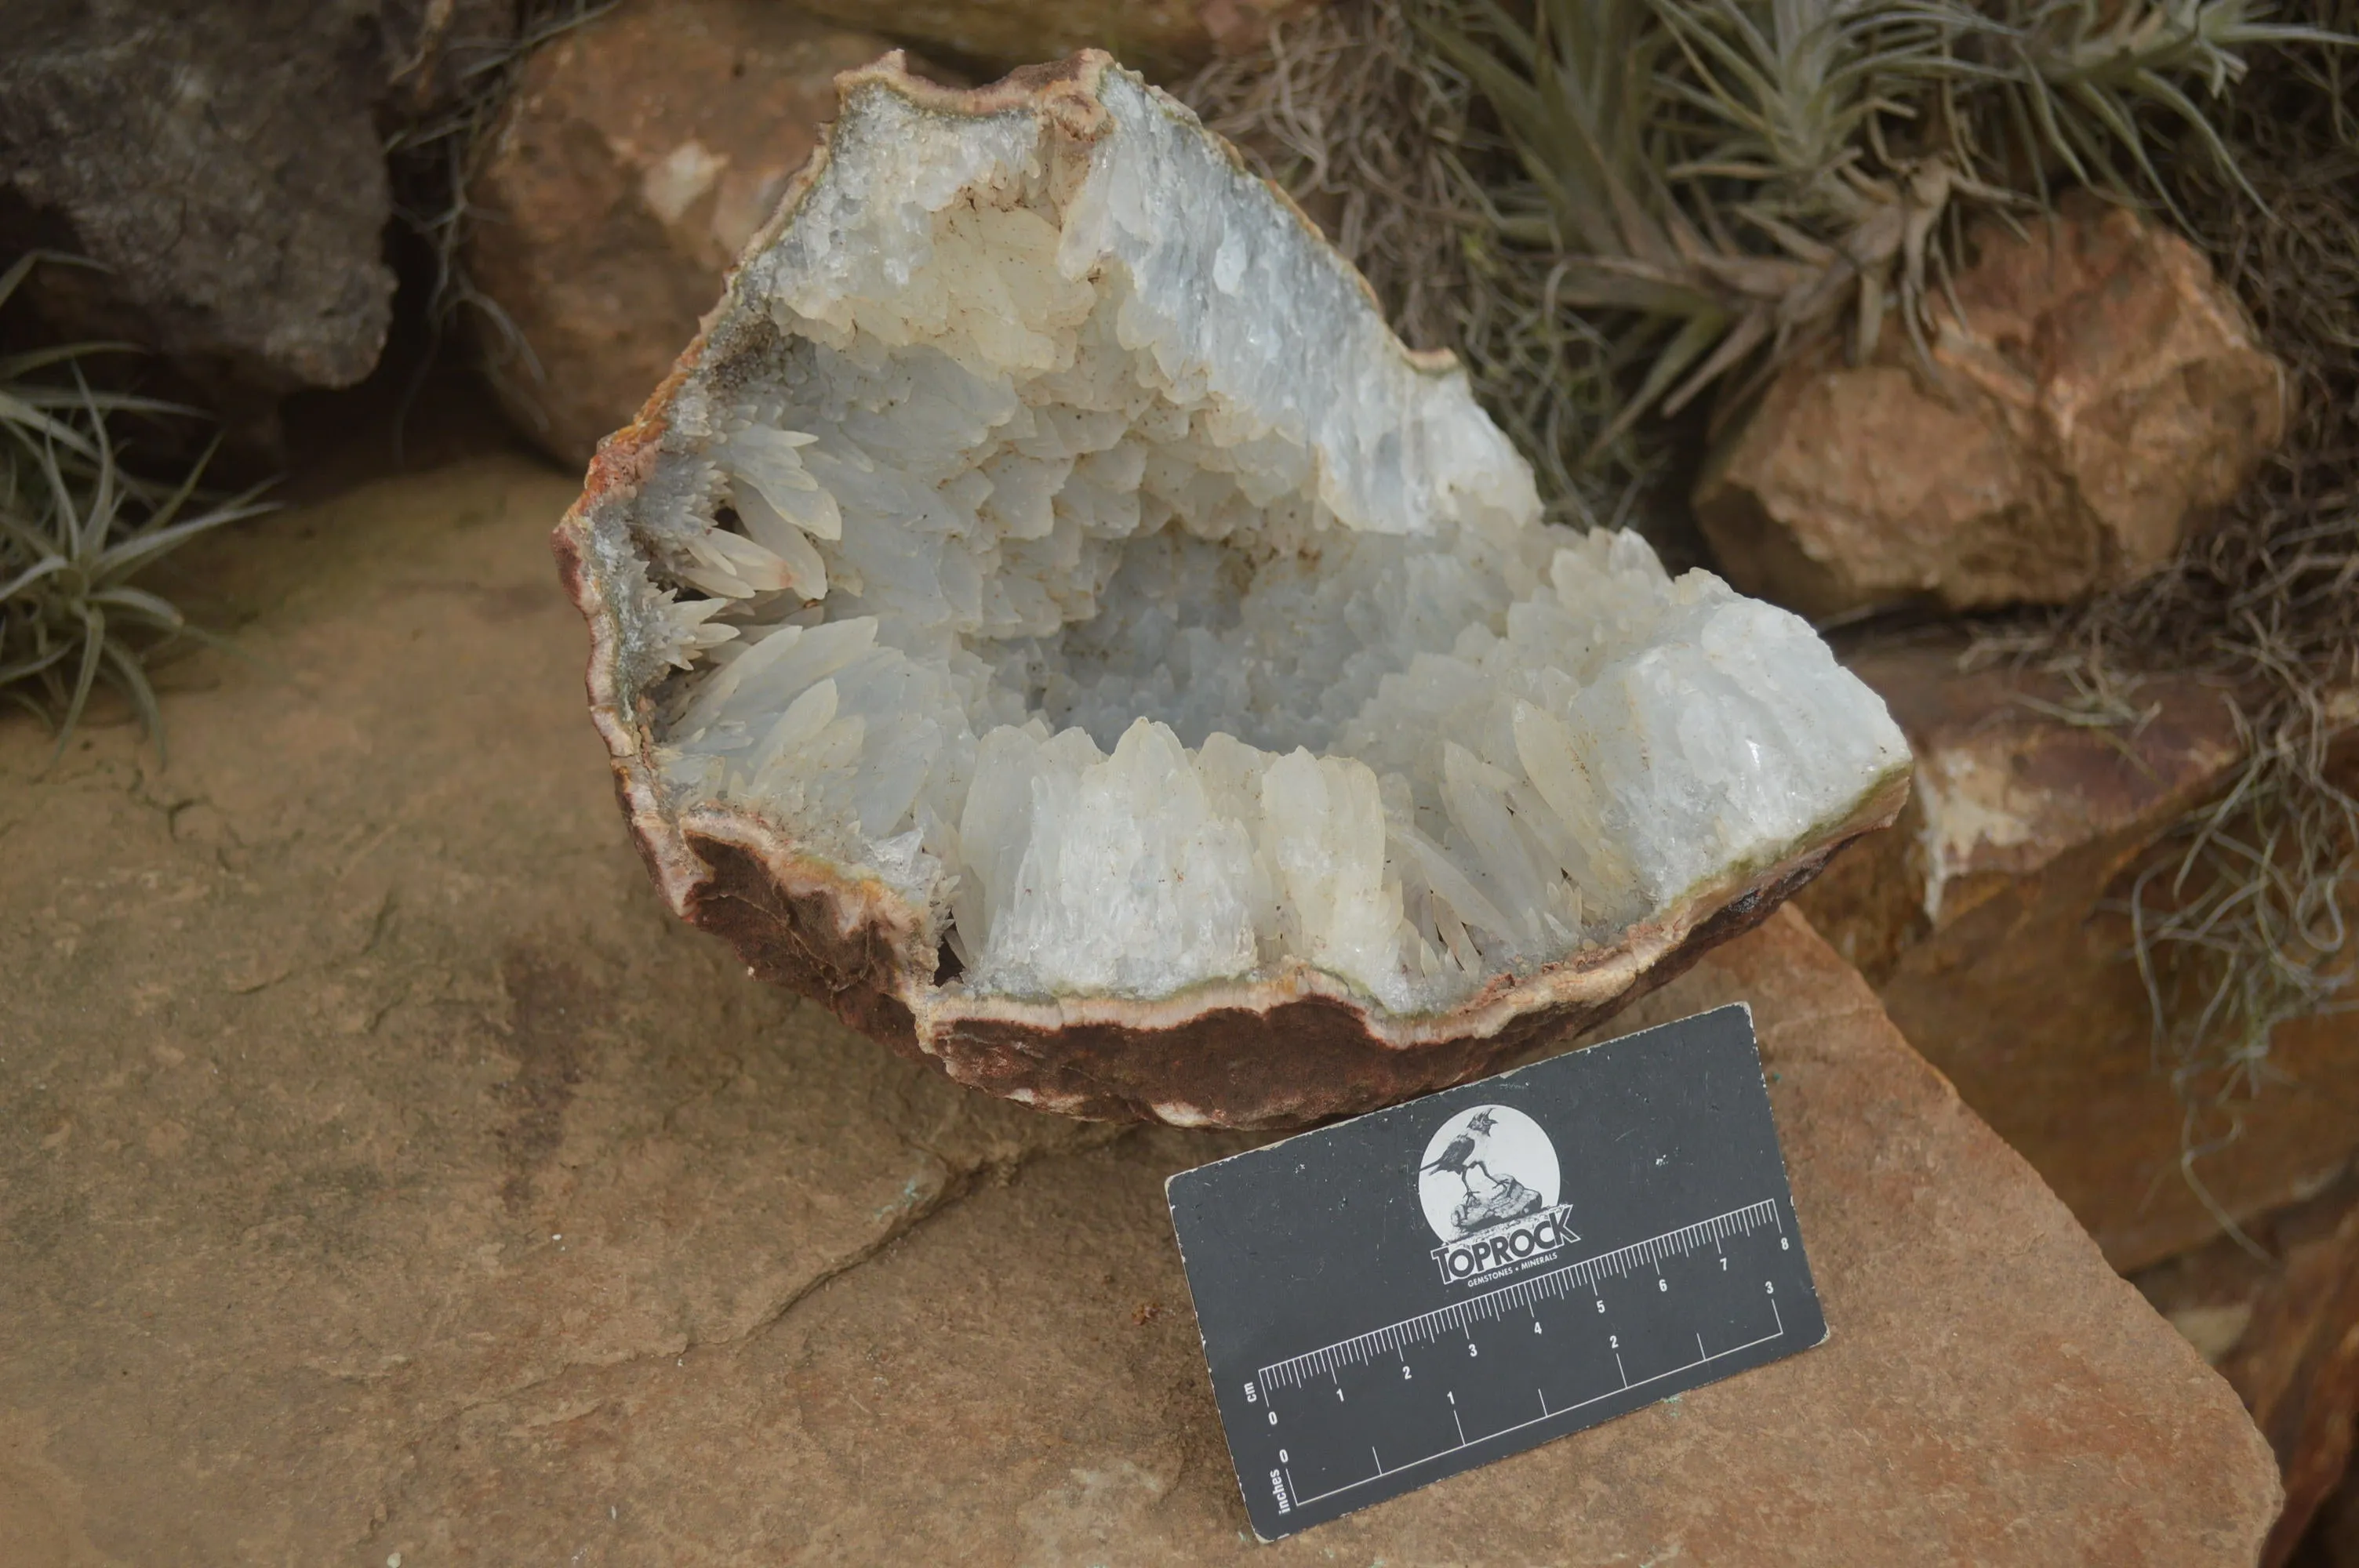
[[1548, 1354], [1613, 1228]]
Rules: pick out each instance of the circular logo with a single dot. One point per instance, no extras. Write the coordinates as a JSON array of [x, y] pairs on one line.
[[1489, 1165]]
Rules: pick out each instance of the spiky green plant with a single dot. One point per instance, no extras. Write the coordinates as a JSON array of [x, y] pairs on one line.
[[1727, 182], [75, 529], [1609, 208]]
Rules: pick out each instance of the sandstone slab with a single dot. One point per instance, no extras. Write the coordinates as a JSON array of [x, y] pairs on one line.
[[349, 1072], [1020, 1382], [2091, 395], [1989, 920], [638, 154], [383, 1172]]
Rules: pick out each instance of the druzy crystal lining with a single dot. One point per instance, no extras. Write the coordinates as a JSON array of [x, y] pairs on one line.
[[1065, 543]]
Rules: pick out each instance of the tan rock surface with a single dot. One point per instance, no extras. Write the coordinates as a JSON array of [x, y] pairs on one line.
[[348, 1074], [381, 1170], [1020, 1383], [2098, 394], [1987, 919], [639, 154]]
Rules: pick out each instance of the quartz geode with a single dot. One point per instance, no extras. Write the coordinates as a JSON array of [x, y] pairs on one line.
[[1050, 618]]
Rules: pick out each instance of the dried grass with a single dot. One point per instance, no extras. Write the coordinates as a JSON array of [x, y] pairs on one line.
[[2241, 922]]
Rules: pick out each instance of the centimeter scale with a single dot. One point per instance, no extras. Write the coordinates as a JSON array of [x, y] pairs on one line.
[[1433, 1287]]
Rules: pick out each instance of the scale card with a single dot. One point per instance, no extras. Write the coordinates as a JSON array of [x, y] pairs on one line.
[[1430, 1287]]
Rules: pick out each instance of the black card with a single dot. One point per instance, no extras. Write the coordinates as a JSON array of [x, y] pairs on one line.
[[1430, 1287]]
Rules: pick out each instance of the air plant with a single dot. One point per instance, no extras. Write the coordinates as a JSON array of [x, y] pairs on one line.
[[76, 528], [1728, 182]]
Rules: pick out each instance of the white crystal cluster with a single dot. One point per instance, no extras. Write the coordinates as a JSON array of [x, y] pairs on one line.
[[1079, 554]]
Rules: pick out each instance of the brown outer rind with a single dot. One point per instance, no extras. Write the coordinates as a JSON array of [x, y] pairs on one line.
[[1275, 1052]]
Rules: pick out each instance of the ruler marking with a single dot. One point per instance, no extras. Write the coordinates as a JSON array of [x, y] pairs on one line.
[[1567, 1409], [1431, 1325]]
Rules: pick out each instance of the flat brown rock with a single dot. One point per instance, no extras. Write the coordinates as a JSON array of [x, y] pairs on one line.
[[1019, 1381], [350, 1074], [383, 1172]]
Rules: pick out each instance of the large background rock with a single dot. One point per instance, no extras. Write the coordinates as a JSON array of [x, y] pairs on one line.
[[2099, 395], [225, 163], [1989, 918], [383, 1171], [1160, 37], [638, 154]]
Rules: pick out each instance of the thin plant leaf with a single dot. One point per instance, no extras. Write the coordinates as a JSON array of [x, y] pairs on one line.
[[94, 648]]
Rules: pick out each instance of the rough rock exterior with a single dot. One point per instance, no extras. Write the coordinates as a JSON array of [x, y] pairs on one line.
[[1988, 919], [384, 1170], [226, 165], [2099, 395], [1032, 426], [638, 154]]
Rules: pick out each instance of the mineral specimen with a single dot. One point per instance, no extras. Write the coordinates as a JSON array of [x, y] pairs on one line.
[[1050, 618]]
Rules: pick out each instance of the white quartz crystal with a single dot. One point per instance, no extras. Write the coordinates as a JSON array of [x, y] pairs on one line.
[[1061, 536]]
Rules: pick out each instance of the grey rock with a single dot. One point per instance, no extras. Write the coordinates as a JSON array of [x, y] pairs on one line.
[[224, 163]]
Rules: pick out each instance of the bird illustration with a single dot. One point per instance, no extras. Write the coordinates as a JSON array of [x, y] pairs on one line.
[[1464, 1153]]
